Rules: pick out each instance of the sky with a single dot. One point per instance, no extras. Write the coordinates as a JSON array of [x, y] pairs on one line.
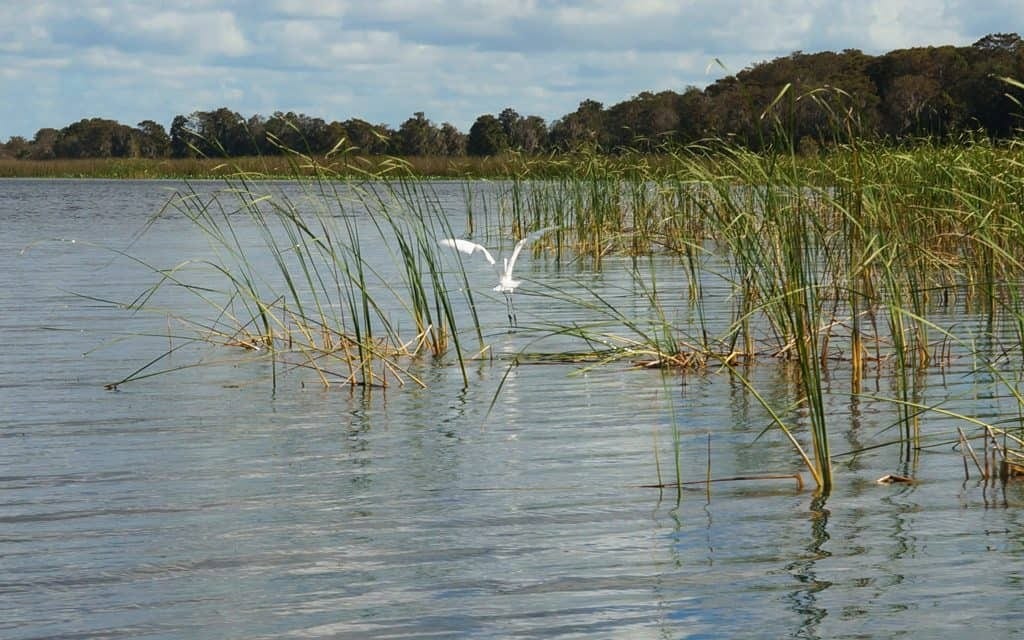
[[454, 60]]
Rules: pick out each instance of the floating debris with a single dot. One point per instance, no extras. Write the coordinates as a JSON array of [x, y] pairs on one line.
[[893, 478]]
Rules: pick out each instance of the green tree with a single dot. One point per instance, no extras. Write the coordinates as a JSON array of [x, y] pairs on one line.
[[988, 101], [43, 144], [16, 147], [915, 105], [417, 136], [999, 43], [152, 140], [528, 135], [299, 132], [315, 133], [693, 106], [368, 139], [486, 137], [583, 127], [644, 122], [182, 137], [510, 119], [95, 138], [221, 132], [916, 86], [532, 135], [334, 132], [281, 130], [822, 89], [453, 141]]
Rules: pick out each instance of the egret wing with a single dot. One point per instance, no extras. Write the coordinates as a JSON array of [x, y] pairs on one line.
[[519, 247], [467, 247]]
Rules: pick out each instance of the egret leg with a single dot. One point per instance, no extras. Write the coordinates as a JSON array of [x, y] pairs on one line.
[[510, 308]]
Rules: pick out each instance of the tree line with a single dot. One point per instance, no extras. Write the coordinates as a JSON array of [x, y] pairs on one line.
[[935, 92]]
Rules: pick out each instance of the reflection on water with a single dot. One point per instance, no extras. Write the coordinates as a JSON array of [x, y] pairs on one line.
[[201, 505]]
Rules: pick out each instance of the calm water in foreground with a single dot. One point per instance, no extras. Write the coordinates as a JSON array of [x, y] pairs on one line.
[[204, 504]]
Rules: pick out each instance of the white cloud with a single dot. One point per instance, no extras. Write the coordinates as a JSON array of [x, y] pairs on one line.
[[311, 8], [898, 24], [23, 29], [381, 46], [207, 33], [111, 61]]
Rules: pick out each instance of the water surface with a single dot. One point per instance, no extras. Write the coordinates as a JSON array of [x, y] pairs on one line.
[[208, 504]]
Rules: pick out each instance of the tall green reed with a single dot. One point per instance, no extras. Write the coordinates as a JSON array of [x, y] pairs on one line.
[[297, 285]]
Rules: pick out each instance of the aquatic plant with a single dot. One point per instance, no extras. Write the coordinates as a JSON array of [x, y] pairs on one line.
[[296, 287]]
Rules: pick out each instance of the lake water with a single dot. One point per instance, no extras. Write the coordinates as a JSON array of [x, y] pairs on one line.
[[209, 503]]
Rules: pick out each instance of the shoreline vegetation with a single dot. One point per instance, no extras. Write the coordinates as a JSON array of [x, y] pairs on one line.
[[938, 93], [282, 167], [625, 165]]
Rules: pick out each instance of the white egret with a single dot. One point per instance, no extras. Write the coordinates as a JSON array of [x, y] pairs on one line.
[[506, 284]]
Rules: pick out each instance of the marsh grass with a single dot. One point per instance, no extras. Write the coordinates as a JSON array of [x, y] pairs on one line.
[[296, 288], [839, 260], [340, 164]]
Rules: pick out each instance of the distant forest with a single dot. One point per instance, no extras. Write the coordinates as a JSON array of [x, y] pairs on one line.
[[923, 92]]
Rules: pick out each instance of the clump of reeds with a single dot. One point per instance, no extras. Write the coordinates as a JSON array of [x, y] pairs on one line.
[[297, 288], [835, 260], [1001, 457]]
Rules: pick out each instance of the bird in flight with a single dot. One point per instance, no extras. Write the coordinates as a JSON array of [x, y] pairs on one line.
[[506, 283]]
